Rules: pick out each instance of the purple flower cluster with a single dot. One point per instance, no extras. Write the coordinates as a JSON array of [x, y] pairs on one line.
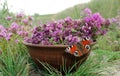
[[4, 33], [20, 19], [94, 24], [69, 31], [19, 25], [8, 18], [16, 29], [20, 15], [57, 32]]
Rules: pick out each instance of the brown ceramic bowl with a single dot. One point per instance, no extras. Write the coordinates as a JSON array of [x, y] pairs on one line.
[[54, 55]]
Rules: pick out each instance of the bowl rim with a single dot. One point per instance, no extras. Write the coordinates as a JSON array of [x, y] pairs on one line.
[[57, 46], [38, 45]]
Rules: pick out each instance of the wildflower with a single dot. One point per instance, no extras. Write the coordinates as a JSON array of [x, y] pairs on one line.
[[1, 28], [16, 41], [22, 33], [25, 21], [45, 42], [14, 27], [98, 19], [8, 38], [87, 11], [20, 15], [30, 18], [68, 20], [107, 23], [60, 26], [8, 18]]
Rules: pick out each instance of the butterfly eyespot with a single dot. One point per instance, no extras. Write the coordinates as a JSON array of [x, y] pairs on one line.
[[67, 49], [87, 47], [76, 53], [87, 38]]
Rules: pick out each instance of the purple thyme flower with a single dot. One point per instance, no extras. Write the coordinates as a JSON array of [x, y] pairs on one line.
[[8, 18], [22, 33], [14, 27], [30, 18], [68, 20], [25, 21], [87, 11], [59, 26], [20, 15]]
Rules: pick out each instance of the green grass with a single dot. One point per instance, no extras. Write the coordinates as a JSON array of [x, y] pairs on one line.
[[107, 8], [40, 19], [4, 12], [13, 59], [111, 40]]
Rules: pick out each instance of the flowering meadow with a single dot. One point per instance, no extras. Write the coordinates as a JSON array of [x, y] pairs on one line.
[[16, 28]]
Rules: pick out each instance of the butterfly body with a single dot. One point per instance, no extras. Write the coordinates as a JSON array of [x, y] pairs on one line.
[[80, 48]]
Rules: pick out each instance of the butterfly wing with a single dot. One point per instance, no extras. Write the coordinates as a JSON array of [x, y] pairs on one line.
[[79, 49], [86, 48], [74, 50], [71, 49], [86, 41]]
